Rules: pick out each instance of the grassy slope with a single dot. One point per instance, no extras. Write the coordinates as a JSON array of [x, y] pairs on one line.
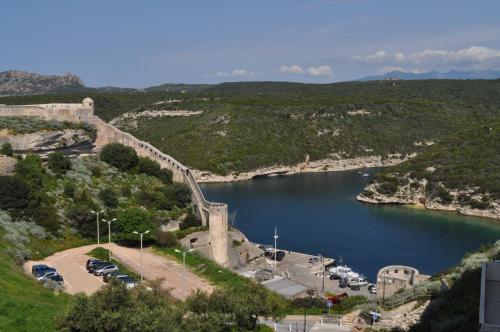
[[24, 304], [267, 123]]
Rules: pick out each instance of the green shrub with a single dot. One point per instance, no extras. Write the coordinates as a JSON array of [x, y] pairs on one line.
[[132, 220], [6, 149], [108, 197], [151, 167], [83, 220], [14, 193], [191, 220], [59, 163], [69, 189], [166, 239], [122, 157]]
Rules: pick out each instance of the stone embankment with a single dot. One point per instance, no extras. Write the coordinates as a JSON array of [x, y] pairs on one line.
[[47, 140], [406, 195], [323, 165]]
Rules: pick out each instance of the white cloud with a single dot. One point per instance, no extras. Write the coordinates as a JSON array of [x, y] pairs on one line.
[[295, 69], [474, 57], [236, 73], [320, 71], [325, 71]]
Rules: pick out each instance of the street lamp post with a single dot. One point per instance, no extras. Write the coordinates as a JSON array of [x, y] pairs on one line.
[[109, 235], [275, 248], [97, 215], [184, 252], [142, 261]]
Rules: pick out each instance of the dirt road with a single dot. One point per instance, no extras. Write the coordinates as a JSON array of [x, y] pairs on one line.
[[71, 265]]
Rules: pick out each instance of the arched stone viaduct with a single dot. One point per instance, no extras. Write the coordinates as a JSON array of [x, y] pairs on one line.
[[213, 215]]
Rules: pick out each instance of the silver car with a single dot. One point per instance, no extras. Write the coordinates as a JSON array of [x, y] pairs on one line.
[[47, 275], [105, 269]]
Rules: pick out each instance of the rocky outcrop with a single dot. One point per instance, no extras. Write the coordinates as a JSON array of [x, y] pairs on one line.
[[414, 193], [15, 82], [47, 140], [7, 165]]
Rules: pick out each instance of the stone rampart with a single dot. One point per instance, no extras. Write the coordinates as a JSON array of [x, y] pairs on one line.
[[213, 215]]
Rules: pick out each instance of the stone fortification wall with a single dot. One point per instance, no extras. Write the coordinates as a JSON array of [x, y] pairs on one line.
[[213, 215]]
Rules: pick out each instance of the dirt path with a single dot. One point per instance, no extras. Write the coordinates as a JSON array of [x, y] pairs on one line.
[[71, 265]]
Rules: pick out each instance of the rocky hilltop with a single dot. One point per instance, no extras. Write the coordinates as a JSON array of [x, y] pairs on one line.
[[15, 82], [461, 173]]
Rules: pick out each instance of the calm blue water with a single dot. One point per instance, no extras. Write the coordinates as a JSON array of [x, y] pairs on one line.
[[318, 213]]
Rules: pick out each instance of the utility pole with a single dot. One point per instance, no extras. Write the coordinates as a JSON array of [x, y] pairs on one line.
[[97, 215], [109, 235], [275, 248], [323, 263], [142, 261]]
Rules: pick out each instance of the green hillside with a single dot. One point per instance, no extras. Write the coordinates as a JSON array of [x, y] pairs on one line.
[[24, 305], [244, 126]]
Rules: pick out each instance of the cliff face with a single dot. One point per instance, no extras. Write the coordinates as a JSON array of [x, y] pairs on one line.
[[413, 192], [14, 82]]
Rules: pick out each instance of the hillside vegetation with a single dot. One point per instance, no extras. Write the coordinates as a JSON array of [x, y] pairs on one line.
[[462, 172], [244, 126]]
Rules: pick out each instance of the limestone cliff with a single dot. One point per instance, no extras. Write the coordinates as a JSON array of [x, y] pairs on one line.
[[413, 192], [15, 82]]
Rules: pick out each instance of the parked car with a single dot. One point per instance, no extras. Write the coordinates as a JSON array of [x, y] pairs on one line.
[[356, 282], [334, 277], [91, 262], [40, 273], [128, 281], [280, 255], [97, 266], [372, 288], [47, 276], [56, 278], [38, 268], [111, 275], [103, 269]]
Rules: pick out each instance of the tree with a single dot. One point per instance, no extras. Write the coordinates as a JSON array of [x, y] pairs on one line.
[[178, 193], [134, 219], [59, 163], [108, 197], [122, 157], [31, 170], [151, 167], [6, 149], [14, 193], [191, 220], [83, 220], [166, 239]]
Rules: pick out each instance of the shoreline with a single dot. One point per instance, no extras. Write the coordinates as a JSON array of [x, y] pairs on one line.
[[316, 166], [490, 217]]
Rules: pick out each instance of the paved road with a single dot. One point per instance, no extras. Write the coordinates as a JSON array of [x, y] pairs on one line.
[[71, 265]]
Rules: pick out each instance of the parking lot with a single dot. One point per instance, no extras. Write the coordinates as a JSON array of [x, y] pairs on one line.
[[71, 265]]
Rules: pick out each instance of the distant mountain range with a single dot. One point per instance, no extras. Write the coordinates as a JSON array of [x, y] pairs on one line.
[[16, 82], [435, 75]]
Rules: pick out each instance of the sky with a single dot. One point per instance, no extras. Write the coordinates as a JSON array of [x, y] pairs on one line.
[[145, 43]]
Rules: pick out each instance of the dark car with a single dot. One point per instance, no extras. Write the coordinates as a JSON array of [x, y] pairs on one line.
[[335, 277], [56, 278], [97, 266], [112, 275], [280, 255], [38, 268], [91, 262], [42, 272]]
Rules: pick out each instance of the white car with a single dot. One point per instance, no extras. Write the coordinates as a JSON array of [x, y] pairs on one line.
[[105, 269], [356, 282], [127, 281], [47, 276], [372, 288]]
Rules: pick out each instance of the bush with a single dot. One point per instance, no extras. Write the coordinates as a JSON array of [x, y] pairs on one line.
[[69, 189], [108, 197], [31, 170], [6, 149], [133, 220], [122, 157], [59, 163], [166, 239], [191, 220], [151, 167], [83, 220], [178, 193], [14, 193]]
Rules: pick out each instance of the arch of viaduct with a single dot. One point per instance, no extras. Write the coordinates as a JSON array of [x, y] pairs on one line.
[[213, 215]]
